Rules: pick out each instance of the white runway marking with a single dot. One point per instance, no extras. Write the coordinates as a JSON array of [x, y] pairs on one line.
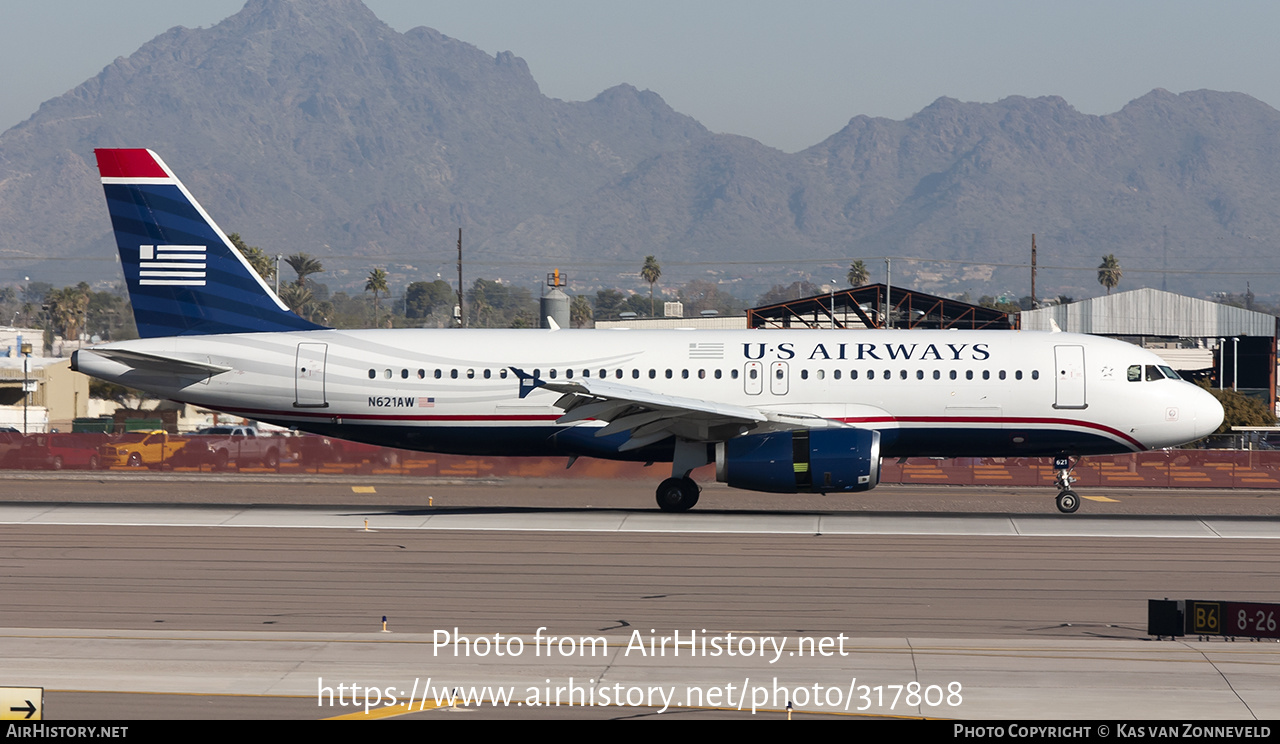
[[629, 521]]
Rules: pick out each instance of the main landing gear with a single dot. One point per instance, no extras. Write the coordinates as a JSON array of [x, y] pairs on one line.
[[677, 494], [1068, 501]]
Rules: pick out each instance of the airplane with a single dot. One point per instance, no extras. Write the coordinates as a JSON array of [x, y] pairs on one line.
[[781, 411]]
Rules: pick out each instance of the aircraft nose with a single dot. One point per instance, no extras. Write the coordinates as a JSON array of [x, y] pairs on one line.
[[1208, 413]]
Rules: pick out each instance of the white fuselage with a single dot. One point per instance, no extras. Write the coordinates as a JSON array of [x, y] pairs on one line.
[[935, 393]]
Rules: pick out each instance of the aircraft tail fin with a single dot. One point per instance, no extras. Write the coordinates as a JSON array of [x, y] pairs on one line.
[[184, 276]]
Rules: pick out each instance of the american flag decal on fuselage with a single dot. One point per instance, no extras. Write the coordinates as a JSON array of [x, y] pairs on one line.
[[178, 265]]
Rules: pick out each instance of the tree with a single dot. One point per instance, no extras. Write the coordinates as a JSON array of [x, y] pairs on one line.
[[1239, 409], [376, 283], [1109, 272], [607, 303], [858, 274], [580, 311], [259, 260], [650, 273], [785, 293], [298, 298], [305, 266], [423, 298]]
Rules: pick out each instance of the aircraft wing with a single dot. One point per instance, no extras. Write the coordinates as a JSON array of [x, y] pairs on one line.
[[148, 362], [651, 417]]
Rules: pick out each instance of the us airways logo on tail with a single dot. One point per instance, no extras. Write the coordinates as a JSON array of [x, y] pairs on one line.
[[174, 265]]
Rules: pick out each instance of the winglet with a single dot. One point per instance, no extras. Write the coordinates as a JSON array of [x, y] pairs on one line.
[[528, 383]]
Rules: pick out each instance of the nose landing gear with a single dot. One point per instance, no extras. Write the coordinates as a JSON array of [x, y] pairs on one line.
[[1068, 501]]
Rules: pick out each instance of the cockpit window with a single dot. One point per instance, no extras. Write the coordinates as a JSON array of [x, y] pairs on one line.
[[1135, 373], [1153, 373], [1168, 372]]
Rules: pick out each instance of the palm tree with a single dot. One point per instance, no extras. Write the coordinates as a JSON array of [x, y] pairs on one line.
[[377, 283], [297, 298], [651, 273], [1109, 272], [305, 266], [858, 274], [260, 261]]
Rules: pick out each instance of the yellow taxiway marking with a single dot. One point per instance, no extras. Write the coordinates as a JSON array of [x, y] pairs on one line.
[[363, 489], [389, 711], [1102, 498]]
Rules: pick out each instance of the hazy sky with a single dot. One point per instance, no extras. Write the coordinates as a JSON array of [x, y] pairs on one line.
[[789, 73]]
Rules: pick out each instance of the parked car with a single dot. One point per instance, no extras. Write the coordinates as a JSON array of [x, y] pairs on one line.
[[313, 450], [58, 451], [10, 443], [220, 446], [153, 449]]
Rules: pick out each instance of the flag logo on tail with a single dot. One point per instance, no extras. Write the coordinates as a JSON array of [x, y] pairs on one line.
[[174, 265]]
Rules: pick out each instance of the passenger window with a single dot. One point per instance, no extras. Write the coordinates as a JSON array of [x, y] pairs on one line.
[[502, 373], [902, 374], [822, 374], [489, 373], [1035, 374], [835, 374], [386, 373], [702, 374], [552, 373], [373, 373], [953, 374], [986, 374], [968, 374], [422, 374], [471, 374], [635, 374], [439, 374], [568, 373], [453, 374], [887, 374], [684, 374], [602, 374], [804, 374], [1017, 375], [617, 373], [733, 374], [919, 374], [1002, 374], [719, 374], [404, 374], [937, 374], [853, 374]]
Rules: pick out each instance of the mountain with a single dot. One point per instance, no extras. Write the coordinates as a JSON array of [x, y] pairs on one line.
[[310, 125]]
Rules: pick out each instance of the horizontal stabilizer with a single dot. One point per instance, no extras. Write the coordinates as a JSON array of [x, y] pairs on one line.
[[162, 364]]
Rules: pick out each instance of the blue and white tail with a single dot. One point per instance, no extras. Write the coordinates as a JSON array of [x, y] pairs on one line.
[[184, 276]]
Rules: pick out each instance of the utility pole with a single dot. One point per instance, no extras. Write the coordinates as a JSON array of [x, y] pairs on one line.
[[462, 310], [886, 320], [1033, 271]]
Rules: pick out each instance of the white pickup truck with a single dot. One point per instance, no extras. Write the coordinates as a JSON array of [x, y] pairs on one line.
[[221, 446]]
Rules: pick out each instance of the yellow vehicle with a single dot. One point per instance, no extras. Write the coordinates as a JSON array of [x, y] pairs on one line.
[[140, 448]]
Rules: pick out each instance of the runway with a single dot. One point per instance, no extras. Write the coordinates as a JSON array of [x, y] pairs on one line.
[[1033, 616]]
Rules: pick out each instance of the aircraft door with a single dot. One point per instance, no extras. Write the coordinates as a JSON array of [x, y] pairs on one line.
[[778, 378], [309, 376], [1069, 372], [753, 378]]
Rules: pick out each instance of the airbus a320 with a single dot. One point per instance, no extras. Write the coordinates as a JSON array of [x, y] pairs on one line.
[[781, 411]]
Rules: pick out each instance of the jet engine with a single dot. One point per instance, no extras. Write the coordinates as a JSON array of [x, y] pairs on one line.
[[802, 461]]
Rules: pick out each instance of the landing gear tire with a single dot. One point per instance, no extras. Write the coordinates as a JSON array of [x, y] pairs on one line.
[[677, 494], [1068, 502]]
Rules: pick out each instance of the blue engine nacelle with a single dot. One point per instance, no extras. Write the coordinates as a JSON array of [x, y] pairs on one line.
[[812, 461]]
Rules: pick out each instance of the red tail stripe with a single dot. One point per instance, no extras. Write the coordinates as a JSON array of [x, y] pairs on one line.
[[132, 163]]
